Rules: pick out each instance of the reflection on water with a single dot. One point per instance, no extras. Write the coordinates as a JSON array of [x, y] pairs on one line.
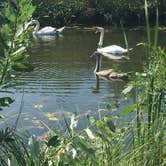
[[63, 78]]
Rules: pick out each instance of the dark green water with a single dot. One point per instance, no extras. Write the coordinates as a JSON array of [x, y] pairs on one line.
[[63, 79]]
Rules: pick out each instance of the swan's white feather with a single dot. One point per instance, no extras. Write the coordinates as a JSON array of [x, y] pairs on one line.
[[47, 29], [114, 56], [113, 49]]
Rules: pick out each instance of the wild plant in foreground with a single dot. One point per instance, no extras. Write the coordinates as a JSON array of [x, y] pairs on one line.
[[139, 143]]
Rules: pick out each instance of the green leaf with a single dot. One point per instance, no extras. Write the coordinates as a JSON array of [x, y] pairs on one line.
[[127, 90], [74, 122], [25, 66], [116, 104], [53, 141], [19, 57], [109, 123], [89, 133], [128, 109], [5, 101], [100, 124], [34, 146], [91, 119], [84, 145]]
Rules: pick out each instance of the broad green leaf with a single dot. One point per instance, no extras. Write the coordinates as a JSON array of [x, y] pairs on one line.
[[128, 109]]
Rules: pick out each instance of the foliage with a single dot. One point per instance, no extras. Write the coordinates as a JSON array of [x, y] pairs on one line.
[[90, 12], [13, 60], [11, 148], [13, 42]]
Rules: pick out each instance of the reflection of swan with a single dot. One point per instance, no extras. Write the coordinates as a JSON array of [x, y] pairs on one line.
[[113, 51], [111, 75], [46, 30], [47, 38], [108, 74]]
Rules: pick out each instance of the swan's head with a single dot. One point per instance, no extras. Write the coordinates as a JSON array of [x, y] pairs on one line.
[[95, 54], [99, 30]]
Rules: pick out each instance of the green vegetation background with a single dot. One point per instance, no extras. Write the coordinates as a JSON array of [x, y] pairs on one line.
[[92, 12]]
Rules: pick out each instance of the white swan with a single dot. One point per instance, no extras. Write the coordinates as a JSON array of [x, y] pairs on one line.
[[46, 30], [112, 51]]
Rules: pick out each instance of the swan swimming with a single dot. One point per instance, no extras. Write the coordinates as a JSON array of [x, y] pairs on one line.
[[112, 51], [46, 30]]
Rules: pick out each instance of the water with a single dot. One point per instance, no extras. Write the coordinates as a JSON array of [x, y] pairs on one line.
[[63, 80]]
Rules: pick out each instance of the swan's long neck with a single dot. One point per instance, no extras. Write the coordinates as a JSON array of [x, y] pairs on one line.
[[36, 29], [100, 44], [98, 63]]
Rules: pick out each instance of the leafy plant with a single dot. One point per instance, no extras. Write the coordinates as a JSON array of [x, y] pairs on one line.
[[14, 16], [13, 42], [141, 142]]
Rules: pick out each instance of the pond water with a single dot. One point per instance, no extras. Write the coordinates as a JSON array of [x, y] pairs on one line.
[[63, 80]]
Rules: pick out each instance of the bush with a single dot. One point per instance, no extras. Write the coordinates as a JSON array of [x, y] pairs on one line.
[[92, 12]]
